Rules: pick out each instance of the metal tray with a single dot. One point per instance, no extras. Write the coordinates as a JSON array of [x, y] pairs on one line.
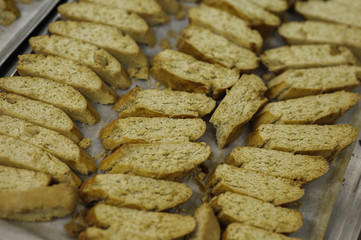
[[331, 206]]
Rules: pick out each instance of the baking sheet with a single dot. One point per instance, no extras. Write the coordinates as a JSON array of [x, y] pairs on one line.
[[31, 15], [316, 206]]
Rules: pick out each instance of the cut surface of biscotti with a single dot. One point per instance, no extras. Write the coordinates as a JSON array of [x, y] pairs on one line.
[[277, 163], [99, 60], [306, 56], [329, 11], [8, 12], [232, 207], [182, 72], [318, 109], [303, 82], [310, 32], [130, 23], [118, 44], [39, 113], [149, 10], [210, 47], [19, 179], [135, 192], [239, 231], [48, 140], [66, 71], [115, 223], [275, 6], [156, 160], [351, 3], [163, 103], [223, 23], [237, 108], [147, 130], [16, 153], [249, 11], [58, 94], [265, 187], [207, 224], [170, 6], [323, 140], [38, 204]]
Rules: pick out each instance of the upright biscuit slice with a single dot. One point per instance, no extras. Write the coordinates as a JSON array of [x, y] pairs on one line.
[[329, 11], [58, 94], [38, 204], [232, 207], [123, 223], [317, 109], [50, 141], [129, 23], [183, 72], [120, 45], [207, 46], [237, 108], [170, 161], [163, 103], [147, 130], [149, 10], [99, 60], [239, 231], [66, 71], [306, 56], [296, 83], [322, 140], [39, 113], [277, 163], [16, 153], [135, 192], [315, 32], [265, 187], [223, 23]]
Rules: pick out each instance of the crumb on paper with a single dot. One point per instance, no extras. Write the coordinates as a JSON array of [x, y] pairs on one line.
[[100, 155], [157, 84], [268, 76], [181, 15], [206, 198], [84, 143], [180, 209], [165, 44], [139, 73], [172, 34]]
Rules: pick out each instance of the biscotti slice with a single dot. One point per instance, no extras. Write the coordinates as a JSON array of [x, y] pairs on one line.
[[16, 153], [183, 72], [38, 204], [303, 82], [306, 56], [8, 12], [207, 46], [169, 161], [262, 186], [149, 10], [223, 23], [99, 60], [18, 179], [112, 222], [207, 224], [318, 109], [170, 6], [135, 192], [277, 163], [147, 130], [323, 140], [310, 32], [163, 103], [329, 11], [67, 71], [130, 23], [39, 113], [48, 140], [240, 231], [55, 93], [237, 108], [232, 207], [275, 6], [118, 44], [351, 3]]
